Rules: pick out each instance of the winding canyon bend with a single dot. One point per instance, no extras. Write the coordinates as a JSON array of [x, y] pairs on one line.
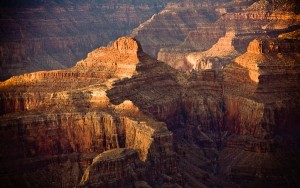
[[220, 111]]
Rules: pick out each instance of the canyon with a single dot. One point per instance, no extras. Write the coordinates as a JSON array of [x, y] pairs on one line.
[[151, 123], [65, 126], [201, 25], [218, 108], [45, 35]]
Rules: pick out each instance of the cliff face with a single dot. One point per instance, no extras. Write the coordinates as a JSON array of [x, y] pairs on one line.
[[218, 56], [247, 19], [261, 96], [270, 69], [223, 112], [66, 115], [152, 124], [54, 35], [169, 28]]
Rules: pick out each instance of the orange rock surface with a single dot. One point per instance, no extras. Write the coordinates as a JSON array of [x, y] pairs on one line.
[[178, 129], [67, 112]]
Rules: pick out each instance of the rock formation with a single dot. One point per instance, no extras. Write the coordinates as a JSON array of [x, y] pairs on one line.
[[169, 28], [65, 118], [122, 118], [217, 57], [246, 107], [261, 95], [113, 168], [119, 97], [47, 35], [247, 19], [268, 76]]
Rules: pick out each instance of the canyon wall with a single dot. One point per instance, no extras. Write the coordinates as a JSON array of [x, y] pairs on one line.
[[120, 97], [45, 35], [122, 118], [47, 124], [267, 76], [247, 19]]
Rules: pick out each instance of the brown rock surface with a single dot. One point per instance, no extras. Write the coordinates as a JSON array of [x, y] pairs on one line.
[[219, 120], [47, 35], [248, 20], [66, 112], [268, 78], [170, 27], [113, 168], [217, 57]]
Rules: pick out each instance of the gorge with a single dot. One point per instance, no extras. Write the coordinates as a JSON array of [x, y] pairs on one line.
[[219, 108]]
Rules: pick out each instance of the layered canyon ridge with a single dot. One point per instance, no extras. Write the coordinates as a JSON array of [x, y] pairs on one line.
[[219, 108], [180, 33], [46, 35]]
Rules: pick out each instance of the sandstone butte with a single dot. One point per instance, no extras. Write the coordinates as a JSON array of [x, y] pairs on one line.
[[120, 118]]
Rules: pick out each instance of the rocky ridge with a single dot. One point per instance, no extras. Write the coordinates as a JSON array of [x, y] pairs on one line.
[[79, 120], [247, 19], [217, 57], [48, 35], [179, 129]]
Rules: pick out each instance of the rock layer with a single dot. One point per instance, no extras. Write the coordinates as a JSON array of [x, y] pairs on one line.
[[121, 99], [64, 121], [247, 19], [47, 35], [217, 57]]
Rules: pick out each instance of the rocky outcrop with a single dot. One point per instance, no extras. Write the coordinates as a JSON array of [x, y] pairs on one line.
[[144, 111], [113, 168], [218, 56], [46, 35], [55, 120], [248, 20], [269, 80]]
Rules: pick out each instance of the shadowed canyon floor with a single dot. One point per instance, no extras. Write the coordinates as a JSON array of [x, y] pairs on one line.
[[120, 118]]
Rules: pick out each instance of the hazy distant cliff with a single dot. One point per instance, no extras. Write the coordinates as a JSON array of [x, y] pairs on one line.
[[182, 28], [43, 35]]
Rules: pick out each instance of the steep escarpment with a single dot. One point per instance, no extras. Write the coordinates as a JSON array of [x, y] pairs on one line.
[[122, 114], [216, 114], [218, 56], [170, 27], [247, 19], [47, 35], [269, 76], [64, 118]]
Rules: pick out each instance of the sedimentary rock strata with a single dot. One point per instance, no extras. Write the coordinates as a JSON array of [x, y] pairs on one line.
[[72, 116], [47, 35], [247, 19], [217, 57], [268, 77], [149, 124]]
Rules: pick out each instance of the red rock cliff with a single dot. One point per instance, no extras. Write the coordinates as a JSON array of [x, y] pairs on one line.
[[66, 113]]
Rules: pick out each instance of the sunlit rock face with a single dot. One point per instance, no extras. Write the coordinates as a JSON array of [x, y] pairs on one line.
[[247, 19], [120, 118], [217, 57], [261, 94], [120, 113], [241, 112], [66, 114], [47, 35], [268, 77]]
